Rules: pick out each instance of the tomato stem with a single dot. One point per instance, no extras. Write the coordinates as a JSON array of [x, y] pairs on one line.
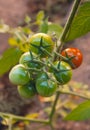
[[11, 116], [10, 123], [33, 69], [44, 50], [61, 91], [54, 105], [68, 24]]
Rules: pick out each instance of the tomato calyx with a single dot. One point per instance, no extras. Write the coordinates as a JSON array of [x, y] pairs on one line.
[[58, 68], [69, 59], [41, 48]]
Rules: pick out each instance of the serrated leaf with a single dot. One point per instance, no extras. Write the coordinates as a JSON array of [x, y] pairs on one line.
[[40, 15], [8, 59], [54, 28], [82, 112], [81, 23]]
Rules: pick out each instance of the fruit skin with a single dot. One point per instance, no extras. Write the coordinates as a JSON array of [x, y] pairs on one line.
[[25, 60], [27, 91], [46, 88], [77, 60], [42, 75], [64, 74], [46, 41], [18, 75]]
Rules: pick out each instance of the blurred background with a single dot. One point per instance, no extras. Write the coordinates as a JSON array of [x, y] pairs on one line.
[[13, 12]]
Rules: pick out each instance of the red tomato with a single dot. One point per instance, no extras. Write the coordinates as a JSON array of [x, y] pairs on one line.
[[70, 52]]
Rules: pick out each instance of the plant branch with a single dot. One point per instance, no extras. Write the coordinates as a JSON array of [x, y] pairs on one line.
[[23, 118], [68, 24], [54, 105], [10, 123], [73, 93]]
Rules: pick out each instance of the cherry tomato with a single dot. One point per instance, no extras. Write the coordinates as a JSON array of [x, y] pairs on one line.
[[42, 75], [46, 88], [27, 91], [41, 40], [18, 75], [71, 52], [64, 73], [25, 59]]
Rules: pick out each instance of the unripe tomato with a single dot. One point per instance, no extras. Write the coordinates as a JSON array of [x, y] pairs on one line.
[[46, 88], [27, 91], [25, 59], [47, 44], [70, 52], [18, 75], [64, 74], [42, 75]]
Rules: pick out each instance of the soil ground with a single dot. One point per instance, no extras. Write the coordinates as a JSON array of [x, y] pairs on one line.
[[13, 13]]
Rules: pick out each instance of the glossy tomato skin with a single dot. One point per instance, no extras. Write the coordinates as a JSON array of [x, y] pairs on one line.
[[46, 41], [27, 91], [77, 60], [18, 75], [64, 74], [25, 60], [46, 88], [42, 76]]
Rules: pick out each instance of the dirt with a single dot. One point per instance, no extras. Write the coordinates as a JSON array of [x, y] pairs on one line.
[[13, 13]]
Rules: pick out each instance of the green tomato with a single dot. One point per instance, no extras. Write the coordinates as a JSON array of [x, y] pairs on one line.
[[18, 75], [47, 44], [27, 91], [42, 75], [25, 59], [46, 88], [65, 72]]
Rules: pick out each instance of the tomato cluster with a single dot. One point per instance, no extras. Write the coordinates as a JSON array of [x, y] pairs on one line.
[[37, 73]]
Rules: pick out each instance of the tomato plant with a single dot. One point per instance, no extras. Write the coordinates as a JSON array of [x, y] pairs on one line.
[[41, 60], [74, 56]]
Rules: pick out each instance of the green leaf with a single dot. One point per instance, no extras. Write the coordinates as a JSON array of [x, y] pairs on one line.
[[44, 26], [82, 112], [9, 59], [81, 23], [54, 28], [40, 16], [27, 19], [26, 30]]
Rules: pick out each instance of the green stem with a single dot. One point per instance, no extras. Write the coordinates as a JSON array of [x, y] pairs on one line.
[[24, 118], [54, 105], [44, 50], [60, 56], [34, 69], [40, 62], [68, 23], [52, 128], [10, 123], [74, 94]]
